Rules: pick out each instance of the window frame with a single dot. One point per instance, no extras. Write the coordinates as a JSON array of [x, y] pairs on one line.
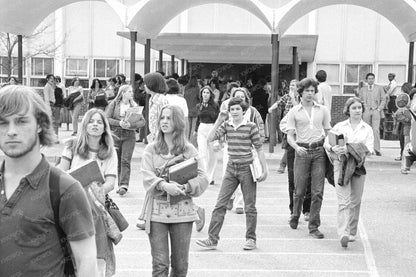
[[77, 75], [94, 76], [351, 84]]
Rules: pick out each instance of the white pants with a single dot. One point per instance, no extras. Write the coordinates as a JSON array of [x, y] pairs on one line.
[[205, 149], [349, 202]]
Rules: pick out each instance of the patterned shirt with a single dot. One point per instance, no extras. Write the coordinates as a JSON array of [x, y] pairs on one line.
[[240, 140], [286, 103]]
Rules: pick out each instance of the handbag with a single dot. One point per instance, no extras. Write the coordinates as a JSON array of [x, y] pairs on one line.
[[115, 213]]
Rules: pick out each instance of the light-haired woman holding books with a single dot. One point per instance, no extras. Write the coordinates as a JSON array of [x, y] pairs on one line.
[[124, 136], [349, 184], [94, 141], [168, 209]]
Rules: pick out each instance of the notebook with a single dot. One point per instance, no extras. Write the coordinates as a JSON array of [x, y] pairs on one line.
[[87, 172]]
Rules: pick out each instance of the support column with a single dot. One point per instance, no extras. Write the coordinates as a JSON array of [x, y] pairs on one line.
[[146, 70], [275, 82], [20, 58], [182, 67], [188, 68], [295, 63], [172, 64], [133, 38], [160, 69], [410, 64], [147, 56]]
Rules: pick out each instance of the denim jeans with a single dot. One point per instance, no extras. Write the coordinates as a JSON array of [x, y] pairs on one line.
[[291, 180], [235, 174], [310, 164], [180, 238], [124, 142], [75, 116]]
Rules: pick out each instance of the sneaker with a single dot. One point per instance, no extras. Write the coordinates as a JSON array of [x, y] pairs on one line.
[[230, 204], [306, 216], [351, 238], [294, 221], [281, 170], [344, 241], [207, 243], [141, 225], [201, 222], [404, 171], [239, 210], [377, 153], [399, 158], [316, 234], [122, 191], [250, 244]]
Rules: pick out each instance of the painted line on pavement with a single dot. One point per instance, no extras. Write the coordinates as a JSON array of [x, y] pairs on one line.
[[369, 257]]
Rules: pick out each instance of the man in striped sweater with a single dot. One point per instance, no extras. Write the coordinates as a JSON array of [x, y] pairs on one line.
[[241, 137]]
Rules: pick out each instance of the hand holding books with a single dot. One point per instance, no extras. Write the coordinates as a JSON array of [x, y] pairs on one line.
[[337, 142]]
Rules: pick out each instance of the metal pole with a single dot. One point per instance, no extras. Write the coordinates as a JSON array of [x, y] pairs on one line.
[[410, 68], [172, 64], [133, 38], [182, 67], [147, 56], [160, 61], [20, 58], [295, 63], [275, 82]]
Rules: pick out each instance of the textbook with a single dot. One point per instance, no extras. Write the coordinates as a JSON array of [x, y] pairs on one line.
[[184, 171], [255, 167], [336, 138], [135, 118], [87, 172]]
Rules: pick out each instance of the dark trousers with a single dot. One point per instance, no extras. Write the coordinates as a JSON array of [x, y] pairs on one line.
[[310, 165], [291, 179], [180, 238]]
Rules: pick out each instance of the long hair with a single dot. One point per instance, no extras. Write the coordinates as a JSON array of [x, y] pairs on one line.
[[179, 138], [21, 99], [121, 91], [100, 85], [246, 94], [155, 82], [81, 145], [211, 96]]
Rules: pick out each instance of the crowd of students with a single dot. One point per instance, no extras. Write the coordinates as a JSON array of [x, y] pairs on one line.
[[186, 120]]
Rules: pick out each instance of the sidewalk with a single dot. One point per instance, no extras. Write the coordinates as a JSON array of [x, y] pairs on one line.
[[389, 150]]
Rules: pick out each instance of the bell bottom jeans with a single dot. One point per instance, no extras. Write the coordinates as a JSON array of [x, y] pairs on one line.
[[180, 238], [124, 142], [310, 164]]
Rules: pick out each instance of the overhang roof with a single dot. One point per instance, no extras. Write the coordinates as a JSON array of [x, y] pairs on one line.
[[231, 48]]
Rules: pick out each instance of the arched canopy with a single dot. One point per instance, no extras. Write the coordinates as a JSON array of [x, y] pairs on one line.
[[21, 17], [402, 13], [148, 17]]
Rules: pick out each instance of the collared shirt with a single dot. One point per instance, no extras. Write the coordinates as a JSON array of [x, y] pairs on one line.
[[394, 89], [363, 133], [49, 94], [240, 140], [373, 97], [29, 243], [324, 95], [309, 128]]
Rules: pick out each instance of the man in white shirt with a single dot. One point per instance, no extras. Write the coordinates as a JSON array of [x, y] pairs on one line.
[[324, 94], [392, 90]]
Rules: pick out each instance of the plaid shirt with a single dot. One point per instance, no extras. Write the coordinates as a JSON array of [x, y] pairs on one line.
[[285, 103]]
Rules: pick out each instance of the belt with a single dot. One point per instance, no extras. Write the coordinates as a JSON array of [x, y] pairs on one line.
[[311, 145]]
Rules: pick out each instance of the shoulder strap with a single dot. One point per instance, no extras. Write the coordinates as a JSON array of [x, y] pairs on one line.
[[55, 195]]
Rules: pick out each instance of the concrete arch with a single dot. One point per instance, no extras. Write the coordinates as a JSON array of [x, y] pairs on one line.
[[402, 14], [148, 17], [21, 17]]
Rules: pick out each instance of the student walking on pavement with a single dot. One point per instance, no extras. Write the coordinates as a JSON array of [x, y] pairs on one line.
[[310, 122], [37, 201], [349, 185], [242, 136], [167, 220]]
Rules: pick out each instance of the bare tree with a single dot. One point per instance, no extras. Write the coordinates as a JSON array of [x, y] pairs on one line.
[[8, 43]]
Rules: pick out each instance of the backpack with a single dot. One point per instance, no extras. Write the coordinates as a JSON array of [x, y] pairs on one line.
[[55, 196]]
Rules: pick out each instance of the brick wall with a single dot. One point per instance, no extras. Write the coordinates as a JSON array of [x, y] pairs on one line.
[[338, 102]]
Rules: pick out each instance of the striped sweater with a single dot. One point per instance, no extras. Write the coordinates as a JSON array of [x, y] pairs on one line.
[[240, 140]]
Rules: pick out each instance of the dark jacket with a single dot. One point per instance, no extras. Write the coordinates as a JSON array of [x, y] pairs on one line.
[[353, 162]]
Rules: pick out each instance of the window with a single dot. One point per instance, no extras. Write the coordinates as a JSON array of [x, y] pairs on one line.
[[139, 68], [76, 67], [4, 66], [40, 68], [106, 68], [354, 73], [167, 68], [385, 69], [332, 72], [83, 82]]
